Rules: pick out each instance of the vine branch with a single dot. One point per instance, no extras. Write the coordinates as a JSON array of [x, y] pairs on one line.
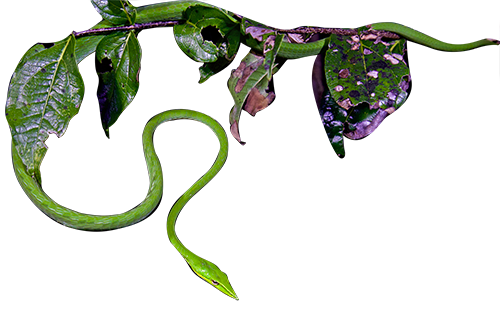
[[155, 24], [299, 30]]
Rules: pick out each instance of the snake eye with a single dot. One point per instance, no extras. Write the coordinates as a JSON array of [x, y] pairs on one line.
[[215, 282]]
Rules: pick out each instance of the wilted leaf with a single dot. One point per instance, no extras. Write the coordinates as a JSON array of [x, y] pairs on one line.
[[45, 92], [118, 62], [259, 97], [255, 29], [301, 38], [250, 88]]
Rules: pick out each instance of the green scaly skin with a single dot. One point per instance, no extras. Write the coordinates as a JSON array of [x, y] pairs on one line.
[[70, 218], [424, 39], [203, 268]]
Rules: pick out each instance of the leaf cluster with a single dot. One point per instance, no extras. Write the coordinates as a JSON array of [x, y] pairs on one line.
[[358, 80]]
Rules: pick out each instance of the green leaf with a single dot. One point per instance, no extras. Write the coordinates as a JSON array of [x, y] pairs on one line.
[[272, 46], [355, 123], [85, 46], [250, 88], [358, 81], [207, 36], [233, 40], [45, 92], [118, 12], [333, 117], [209, 69], [365, 68], [363, 120], [192, 43], [118, 62]]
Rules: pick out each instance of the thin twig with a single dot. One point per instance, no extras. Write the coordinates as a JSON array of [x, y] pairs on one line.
[[339, 31], [150, 25], [299, 30]]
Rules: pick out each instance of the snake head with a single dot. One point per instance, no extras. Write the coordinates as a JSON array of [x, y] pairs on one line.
[[209, 272]]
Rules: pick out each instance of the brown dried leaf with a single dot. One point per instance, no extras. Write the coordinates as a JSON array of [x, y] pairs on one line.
[[235, 131], [256, 101], [258, 32]]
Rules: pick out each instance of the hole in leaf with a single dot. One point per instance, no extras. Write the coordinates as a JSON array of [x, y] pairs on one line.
[[47, 45], [105, 65], [210, 33]]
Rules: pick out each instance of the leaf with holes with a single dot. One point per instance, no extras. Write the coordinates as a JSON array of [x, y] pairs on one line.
[[209, 69], [45, 92], [365, 68], [368, 77], [118, 62], [209, 34]]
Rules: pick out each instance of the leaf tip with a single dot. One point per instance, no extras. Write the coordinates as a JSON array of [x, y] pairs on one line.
[[236, 133]]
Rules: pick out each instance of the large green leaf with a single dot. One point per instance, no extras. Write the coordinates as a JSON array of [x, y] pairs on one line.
[[118, 12], [365, 68], [45, 92], [209, 35], [118, 62], [367, 78]]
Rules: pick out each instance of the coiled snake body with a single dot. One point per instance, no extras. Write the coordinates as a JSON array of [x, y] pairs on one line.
[[203, 268]]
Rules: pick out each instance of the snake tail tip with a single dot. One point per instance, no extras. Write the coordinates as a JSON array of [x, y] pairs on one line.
[[497, 42]]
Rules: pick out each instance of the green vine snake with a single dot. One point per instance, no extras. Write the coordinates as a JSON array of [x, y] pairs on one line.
[[203, 268], [70, 218]]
